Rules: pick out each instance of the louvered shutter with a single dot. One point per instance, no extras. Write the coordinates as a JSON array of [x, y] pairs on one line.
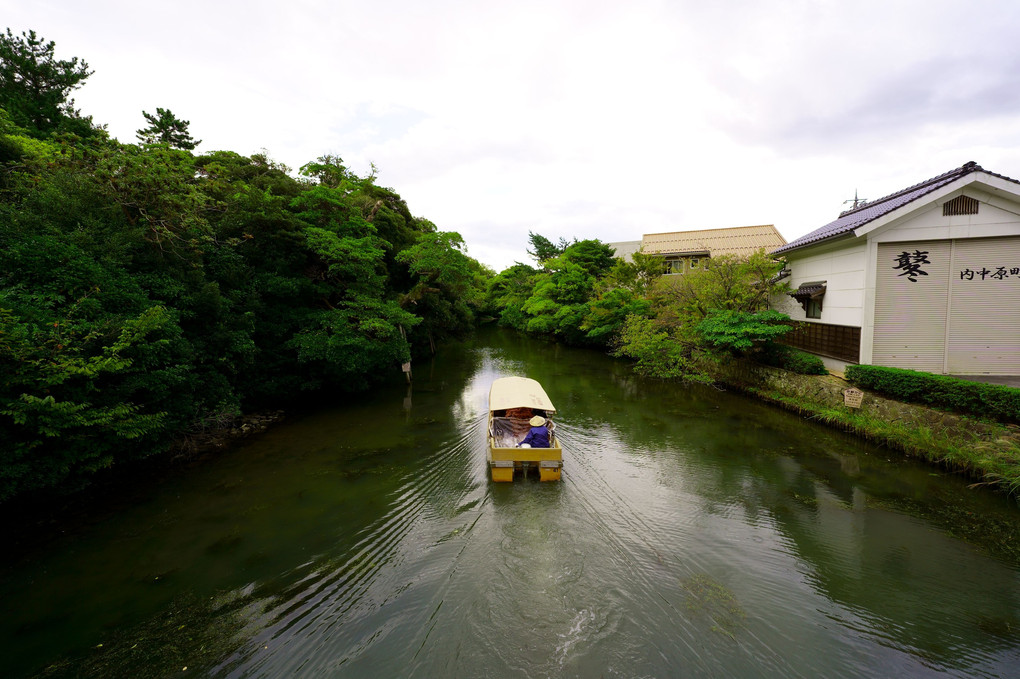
[[984, 307], [910, 315]]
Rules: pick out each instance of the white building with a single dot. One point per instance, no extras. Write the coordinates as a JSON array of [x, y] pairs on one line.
[[927, 278]]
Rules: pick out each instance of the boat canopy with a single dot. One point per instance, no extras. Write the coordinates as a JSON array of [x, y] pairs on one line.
[[518, 392]]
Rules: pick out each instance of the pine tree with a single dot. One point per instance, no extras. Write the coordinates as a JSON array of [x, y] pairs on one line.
[[166, 128], [35, 85]]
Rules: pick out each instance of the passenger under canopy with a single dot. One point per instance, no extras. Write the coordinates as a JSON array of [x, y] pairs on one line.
[[507, 432]]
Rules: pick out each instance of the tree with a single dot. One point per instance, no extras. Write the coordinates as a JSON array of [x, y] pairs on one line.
[[35, 85], [444, 294], [166, 128], [727, 282], [594, 256], [542, 248], [559, 300], [508, 291], [722, 305], [329, 170]]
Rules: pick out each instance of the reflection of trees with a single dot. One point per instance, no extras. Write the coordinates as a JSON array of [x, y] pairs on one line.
[[895, 566], [918, 588], [190, 634], [912, 587]]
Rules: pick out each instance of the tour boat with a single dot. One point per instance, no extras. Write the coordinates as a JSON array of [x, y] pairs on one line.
[[513, 401]]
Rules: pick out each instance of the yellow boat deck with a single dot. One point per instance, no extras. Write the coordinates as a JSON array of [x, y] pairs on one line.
[[505, 461]]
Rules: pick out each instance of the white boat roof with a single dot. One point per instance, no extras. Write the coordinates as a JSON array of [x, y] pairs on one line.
[[518, 392]]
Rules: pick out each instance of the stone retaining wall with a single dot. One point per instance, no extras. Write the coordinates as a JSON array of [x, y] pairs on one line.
[[826, 392]]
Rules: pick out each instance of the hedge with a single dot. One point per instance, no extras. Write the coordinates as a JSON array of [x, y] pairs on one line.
[[788, 358], [993, 401]]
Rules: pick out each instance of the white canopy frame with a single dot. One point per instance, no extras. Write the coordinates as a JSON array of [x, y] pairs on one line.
[[518, 392]]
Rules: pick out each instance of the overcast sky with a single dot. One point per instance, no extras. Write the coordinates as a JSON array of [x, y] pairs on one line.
[[573, 119]]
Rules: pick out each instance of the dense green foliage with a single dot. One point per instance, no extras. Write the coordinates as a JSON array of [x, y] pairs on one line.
[[721, 306], [581, 294], [146, 292], [940, 391], [166, 128], [542, 248], [740, 331], [788, 358], [584, 296]]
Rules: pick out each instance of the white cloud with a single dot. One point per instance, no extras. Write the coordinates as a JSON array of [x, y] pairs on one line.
[[571, 119]]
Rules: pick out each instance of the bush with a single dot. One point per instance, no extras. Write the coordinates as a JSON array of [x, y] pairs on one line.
[[740, 331], [941, 391], [658, 353], [788, 358]]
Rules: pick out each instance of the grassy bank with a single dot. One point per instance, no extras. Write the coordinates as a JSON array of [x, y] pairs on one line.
[[986, 451]]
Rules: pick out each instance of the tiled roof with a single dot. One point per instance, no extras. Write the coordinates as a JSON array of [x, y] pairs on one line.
[[852, 219], [738, 240]]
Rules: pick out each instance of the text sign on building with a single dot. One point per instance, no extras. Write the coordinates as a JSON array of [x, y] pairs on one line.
[[911, 263], [1000, 273]]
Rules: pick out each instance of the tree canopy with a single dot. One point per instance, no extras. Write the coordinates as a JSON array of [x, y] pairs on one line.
[[35, 86], [542, 248], [583, 295], [166, 128], [148, 293]]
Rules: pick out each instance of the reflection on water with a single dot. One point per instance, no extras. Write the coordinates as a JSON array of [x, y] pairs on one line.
[[695, 533]]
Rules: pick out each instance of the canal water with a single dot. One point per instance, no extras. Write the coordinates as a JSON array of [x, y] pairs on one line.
[[695, 533]]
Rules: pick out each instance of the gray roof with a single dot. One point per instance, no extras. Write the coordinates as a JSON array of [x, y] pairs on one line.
[[852, 219]]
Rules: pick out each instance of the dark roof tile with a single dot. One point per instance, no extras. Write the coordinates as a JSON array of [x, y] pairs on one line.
[[852, 219]]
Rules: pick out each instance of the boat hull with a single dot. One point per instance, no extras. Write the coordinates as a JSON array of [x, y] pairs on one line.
[[503, 462]]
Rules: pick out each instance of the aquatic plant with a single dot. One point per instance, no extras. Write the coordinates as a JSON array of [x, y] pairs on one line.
[[707, 596]]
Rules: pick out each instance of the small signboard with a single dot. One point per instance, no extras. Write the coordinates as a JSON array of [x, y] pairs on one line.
[[853, 398]]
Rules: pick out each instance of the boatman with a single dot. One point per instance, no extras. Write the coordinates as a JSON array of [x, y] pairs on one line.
[[538, 436]]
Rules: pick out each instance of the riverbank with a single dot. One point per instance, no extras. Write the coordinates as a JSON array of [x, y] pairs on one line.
[[987, 452]]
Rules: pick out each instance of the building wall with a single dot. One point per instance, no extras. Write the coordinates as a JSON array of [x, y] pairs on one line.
[[997, 216], [842, 267], [910, 313], [625, 249], [961, 317], [681, 264], [954, 326]]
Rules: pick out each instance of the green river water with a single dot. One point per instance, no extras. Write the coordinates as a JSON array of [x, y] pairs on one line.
[[695, 533]]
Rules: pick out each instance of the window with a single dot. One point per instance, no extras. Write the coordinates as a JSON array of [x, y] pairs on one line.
[[810, 295], [694, 262], [813, 308], [673, 265]]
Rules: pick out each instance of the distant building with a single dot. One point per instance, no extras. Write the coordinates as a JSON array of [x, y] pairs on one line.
[[624, 249], [927, 278], [683, 251]]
